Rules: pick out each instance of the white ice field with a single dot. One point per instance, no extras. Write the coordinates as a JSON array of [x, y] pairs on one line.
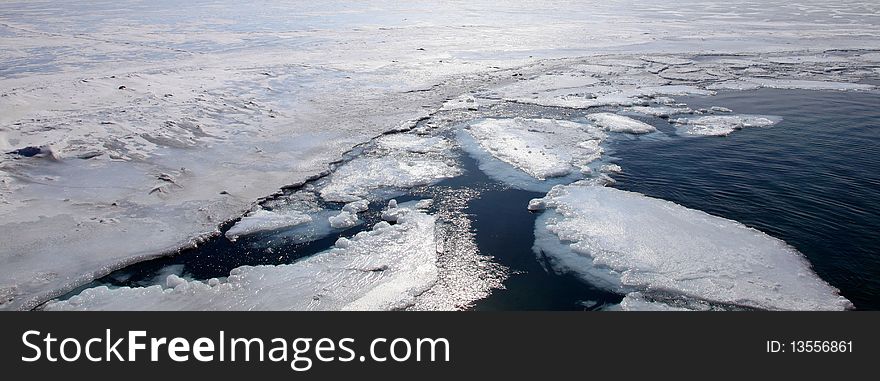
[[149, 134]]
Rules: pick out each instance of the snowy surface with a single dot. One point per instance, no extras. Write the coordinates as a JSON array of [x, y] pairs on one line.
[[400, 161], [626, 242], [382, 269], [721, 125], [543, 148], [619, 123], [343, 220], [266, 220], [166, 122]]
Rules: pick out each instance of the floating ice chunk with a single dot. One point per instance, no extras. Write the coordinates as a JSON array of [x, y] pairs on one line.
[[385, 269], [356, 206], [355, 180], [266, 220], [343, 220], [543, 148], [173, 281], [537, 204], [661, 111], [318, 228], [342, 243], [619, 123], [801, 84], [413, 143], [610, 168], [394, 213], [627, 242], [424, 204], [721, 125], [635, 301], [720, 109]]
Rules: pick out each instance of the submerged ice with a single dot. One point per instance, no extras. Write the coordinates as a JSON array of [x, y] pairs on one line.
[[628, 243]]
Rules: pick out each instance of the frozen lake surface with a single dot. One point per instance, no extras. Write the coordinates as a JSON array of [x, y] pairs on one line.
[[133, 130]]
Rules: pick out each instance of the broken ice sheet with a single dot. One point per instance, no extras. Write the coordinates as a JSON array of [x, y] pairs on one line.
[[619, 123], [626, 242], [721, 125], [533, 154], [382, 269], [397, 161], [266, 220]]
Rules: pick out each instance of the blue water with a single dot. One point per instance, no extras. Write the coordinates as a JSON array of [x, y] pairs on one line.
[[813, 180]]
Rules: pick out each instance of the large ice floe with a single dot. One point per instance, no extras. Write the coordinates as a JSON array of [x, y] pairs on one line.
[[382, 269], [392, 162], [663, 255], [533, 154], [619, 123], [720, 125], [266, 220]]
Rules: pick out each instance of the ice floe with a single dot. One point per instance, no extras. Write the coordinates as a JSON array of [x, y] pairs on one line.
[[721, 125], [626, 242], [619, 123], [531, 153], [343, 220], [266, 220], [397, 161], [661, 111], [253, 120], [386, 268], [792, 84]]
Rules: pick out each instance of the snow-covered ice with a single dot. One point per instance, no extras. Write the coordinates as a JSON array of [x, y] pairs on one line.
[[399, 161], [343, 220], [356, 206], [619, 123], [541, 147], [170, 121], [661, 111], [626, 242], [383, 269], [721, 125], [266, 220]]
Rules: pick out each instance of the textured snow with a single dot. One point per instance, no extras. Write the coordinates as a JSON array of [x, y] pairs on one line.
[[169, 121], [343, 220], [661, 111], [266, 220], [413, 143], [721, 125], [382, 269], [356, 206], [619, 123], [398, 161], [540, 147], [627, 242]]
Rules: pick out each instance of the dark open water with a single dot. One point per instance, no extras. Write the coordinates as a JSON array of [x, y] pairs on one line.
[[812, 180]]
